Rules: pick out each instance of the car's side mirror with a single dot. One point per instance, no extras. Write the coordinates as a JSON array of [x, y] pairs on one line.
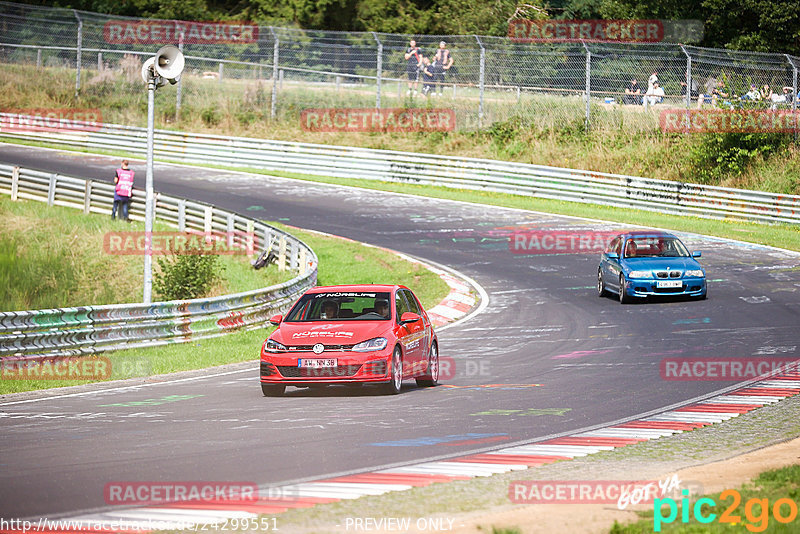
[[696, 254], [612, 255], [409, 317], [276, 319]]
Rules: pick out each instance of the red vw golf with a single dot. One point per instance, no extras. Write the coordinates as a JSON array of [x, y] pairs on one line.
[[364, 334]]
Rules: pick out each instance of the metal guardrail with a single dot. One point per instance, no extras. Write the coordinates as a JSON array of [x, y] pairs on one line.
[[89, 329], [616, 190]]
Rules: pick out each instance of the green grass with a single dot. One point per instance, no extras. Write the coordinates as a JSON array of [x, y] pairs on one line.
[[783, 483], [341, 262], [54, 257]]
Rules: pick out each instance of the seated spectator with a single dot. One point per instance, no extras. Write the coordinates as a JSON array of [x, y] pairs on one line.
[[654, 95], [753, 94], [719, 92], [788, 94], [633, 93], [766, 93], [652, 80], [694, 92], [706, 97]]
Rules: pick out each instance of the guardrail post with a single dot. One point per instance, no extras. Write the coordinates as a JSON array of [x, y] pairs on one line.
[[51, 190], [302, 266], [378, 69], [87, 197], [229, 229], [282, 254], [14, 183], [79, 52], [208, 219], [273, 109], [266, 236], [588, 84], [294, 253], [182, 215], [481, 81]]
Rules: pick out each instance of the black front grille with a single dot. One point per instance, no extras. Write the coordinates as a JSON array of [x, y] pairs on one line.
[[375, 368], [668, 274], [267, 369], [670, 289], [291, 371], [328, 348]]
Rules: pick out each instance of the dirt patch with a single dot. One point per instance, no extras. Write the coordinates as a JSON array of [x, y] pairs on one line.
[[598, 518]]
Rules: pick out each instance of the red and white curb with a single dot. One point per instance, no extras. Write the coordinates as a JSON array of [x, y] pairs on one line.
[[515, 458]]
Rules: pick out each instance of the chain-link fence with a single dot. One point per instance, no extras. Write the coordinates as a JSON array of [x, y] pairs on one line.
[[274, 73]]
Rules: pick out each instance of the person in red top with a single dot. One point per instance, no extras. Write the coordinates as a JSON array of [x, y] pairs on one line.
[[123, 190]]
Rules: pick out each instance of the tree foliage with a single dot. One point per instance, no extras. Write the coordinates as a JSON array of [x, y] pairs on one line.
[[759, 25]]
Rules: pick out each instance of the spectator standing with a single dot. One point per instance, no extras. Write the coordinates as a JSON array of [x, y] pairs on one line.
[[123, 190], [651, 81], [633, 93], [444, 61], [413, 57]]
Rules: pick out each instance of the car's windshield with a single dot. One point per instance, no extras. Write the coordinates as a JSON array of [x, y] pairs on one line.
[[660, 247], [341, 306]]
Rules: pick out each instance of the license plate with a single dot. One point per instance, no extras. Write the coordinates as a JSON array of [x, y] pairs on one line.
[[669, 283], [316, 363]]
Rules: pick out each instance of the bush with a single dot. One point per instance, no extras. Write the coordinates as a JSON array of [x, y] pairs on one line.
[[723, 155], [186, 276]]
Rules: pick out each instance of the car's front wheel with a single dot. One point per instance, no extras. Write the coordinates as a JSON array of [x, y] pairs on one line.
[[623, 295], [272, 390], [601, 285], [432, 377], [396, 376]]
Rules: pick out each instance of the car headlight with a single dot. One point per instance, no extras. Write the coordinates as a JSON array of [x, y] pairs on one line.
[[273, 346], [640, 274], [377, 343], [695, 272]]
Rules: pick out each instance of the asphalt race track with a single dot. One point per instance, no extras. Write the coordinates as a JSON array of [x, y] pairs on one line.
[[547, 356]]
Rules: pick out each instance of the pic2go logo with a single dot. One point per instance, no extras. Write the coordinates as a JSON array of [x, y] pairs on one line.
[[468, 368], [756, 511]]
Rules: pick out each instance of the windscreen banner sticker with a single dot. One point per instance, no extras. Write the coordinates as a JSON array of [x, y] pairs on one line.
[[345, 294]]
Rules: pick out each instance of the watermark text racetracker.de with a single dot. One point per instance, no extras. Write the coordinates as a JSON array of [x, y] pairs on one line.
[[155, 493], [51, 120], [377, 120], [725, 369], [180, 243], [170, 32], [559, 241], [56, 368], [727, 120], [600, 30]]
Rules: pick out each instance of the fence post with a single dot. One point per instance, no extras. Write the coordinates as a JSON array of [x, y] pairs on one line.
[[688, 78], [220, 71], [273, 109], [38, 58], [15, 183], [99, 61], [587, 120], [378, 68], [794, 90], [481, 81], [87, 197], [78, 56], [179, 91]]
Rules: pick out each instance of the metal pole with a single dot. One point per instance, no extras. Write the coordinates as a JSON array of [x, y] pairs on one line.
[[78, 55], [379, 68], [794, 91], [274, 73], [688, 78], [481, 81], [148, 209], [179, 92], [588, 83]]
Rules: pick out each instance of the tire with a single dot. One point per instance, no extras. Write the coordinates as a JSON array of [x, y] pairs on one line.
[[393, 386], [432, 378], [623, 296], [601, 285], [272, 390]]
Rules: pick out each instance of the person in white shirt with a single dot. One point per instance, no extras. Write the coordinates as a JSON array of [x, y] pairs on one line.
[[654, 95]]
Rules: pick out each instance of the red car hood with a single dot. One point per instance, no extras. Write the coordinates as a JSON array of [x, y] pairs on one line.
[[333, 333]]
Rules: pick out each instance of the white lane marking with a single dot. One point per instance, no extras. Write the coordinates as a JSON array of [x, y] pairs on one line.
[[614, 432]]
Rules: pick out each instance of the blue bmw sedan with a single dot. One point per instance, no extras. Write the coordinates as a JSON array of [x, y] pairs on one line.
[[640, 264]]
